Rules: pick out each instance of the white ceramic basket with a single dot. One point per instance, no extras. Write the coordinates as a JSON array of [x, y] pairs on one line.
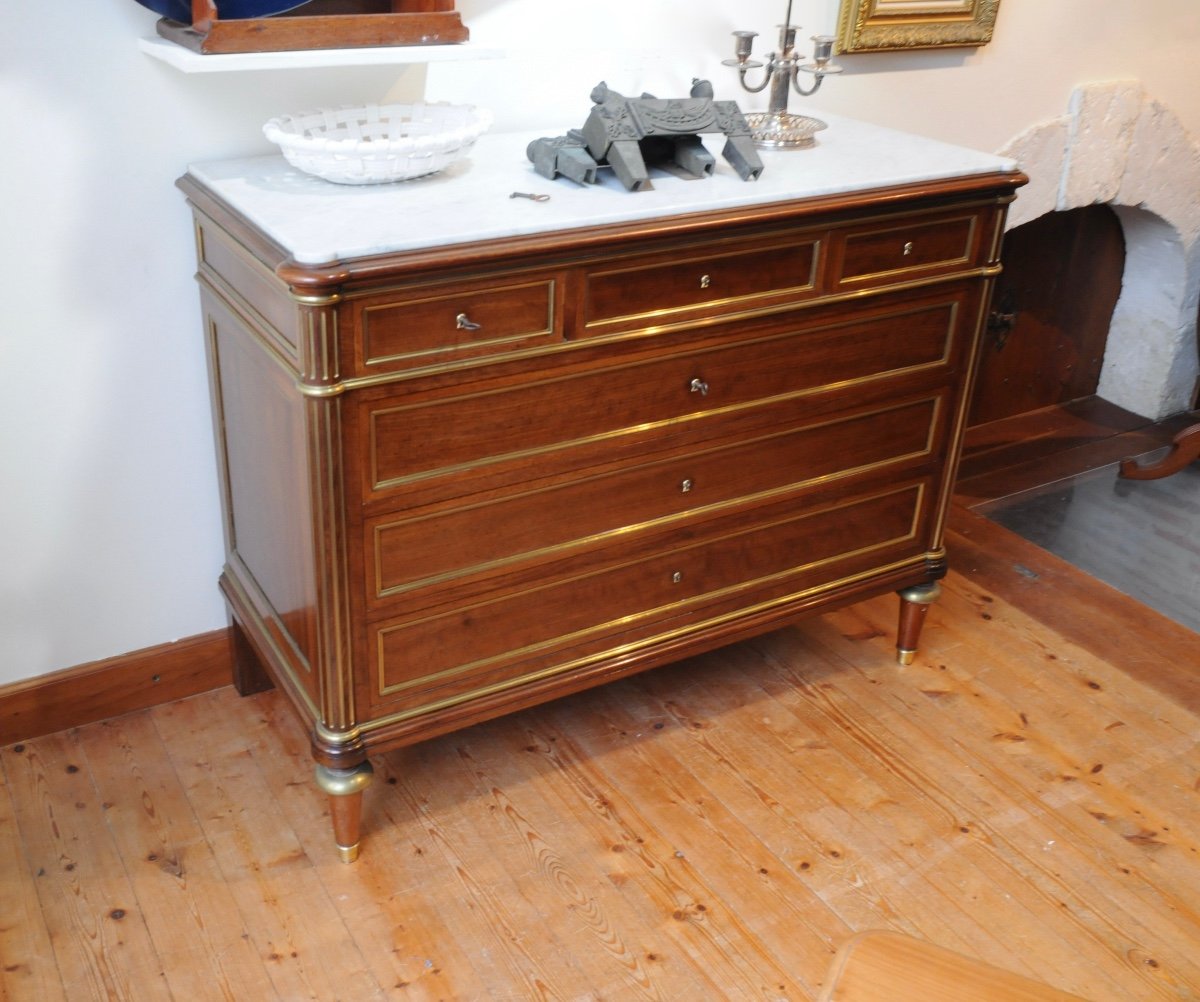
[[375, 144]]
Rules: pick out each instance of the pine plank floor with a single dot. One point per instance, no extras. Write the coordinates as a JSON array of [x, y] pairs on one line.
[[1026, 793]]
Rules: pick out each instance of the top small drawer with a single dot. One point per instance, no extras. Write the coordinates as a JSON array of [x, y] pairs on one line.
[[709, 282], [430, 325], [890, 252]]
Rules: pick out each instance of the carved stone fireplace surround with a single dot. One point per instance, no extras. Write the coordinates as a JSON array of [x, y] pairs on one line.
[[1116, 145]]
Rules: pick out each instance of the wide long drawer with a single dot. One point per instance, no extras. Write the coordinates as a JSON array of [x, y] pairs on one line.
[[549, 523], [468, 435], [429, 660]]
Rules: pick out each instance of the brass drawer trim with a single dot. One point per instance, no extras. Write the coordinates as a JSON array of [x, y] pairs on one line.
[[935, 403], [461, 303], [627, 649], [377, 483], [571, 344], [568, 639], [804, 286], [841, 280]]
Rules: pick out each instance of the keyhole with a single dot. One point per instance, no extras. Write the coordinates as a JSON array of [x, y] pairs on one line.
[[908, 248], [705, 281]]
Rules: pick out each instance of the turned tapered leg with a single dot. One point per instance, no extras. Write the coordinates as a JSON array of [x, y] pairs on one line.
[[345, 788], [914, 604]]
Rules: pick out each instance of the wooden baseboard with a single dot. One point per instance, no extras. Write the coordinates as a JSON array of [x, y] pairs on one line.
[[102, 689]]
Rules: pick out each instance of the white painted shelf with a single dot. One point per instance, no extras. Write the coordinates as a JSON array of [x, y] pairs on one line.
[[193, 62]]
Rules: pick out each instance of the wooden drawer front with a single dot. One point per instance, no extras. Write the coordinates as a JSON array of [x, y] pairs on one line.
[[531, 528], [423, 661], [888, 252], [457, 322], [670, 400], [662, 290]]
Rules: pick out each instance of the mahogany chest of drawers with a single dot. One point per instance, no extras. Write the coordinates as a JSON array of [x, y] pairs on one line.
[[462, 479]]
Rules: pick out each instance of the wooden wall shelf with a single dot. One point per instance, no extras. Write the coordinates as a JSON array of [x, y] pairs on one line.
[[188, 61]]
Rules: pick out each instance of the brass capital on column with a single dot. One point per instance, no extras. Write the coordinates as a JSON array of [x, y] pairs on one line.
[[344, 782], [922, 594]]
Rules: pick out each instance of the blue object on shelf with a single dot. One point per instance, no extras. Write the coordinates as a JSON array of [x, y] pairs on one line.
[[230, 10]]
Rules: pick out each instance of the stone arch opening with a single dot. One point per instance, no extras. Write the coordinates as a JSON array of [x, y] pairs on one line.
[[1117, 146]]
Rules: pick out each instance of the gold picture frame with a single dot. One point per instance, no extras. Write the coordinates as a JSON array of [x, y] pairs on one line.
[[882, 25]]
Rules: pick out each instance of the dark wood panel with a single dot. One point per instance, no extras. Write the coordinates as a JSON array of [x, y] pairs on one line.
[[717, 281], [767, 553], [1061, 280], [1039, 447], [531, 525], [414, 438], [263, 455], [919, 246], [435, 325]]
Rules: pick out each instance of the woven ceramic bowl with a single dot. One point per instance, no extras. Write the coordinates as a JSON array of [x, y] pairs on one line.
[[375, 144]]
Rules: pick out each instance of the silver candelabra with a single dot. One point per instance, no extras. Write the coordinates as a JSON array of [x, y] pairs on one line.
[[777, 127]]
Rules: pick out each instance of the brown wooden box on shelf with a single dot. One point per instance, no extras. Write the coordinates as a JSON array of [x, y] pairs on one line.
[[320, 24]]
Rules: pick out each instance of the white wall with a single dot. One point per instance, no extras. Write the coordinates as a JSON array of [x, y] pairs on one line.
[[977, 97], [108, 504]]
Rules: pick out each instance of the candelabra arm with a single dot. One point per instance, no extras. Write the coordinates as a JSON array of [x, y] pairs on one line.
[[770, 67], [817, 78]]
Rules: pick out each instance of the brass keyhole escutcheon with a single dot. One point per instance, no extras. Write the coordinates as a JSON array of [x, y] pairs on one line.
[[705, 281], [698, 385], [686, 487], [908, 248], [677, 577]]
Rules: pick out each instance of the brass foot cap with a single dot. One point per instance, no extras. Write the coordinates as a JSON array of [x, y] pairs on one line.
[[905, 657], [348, 853]]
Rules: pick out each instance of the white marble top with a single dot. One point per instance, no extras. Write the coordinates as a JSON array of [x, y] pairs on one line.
[[320, 222]]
